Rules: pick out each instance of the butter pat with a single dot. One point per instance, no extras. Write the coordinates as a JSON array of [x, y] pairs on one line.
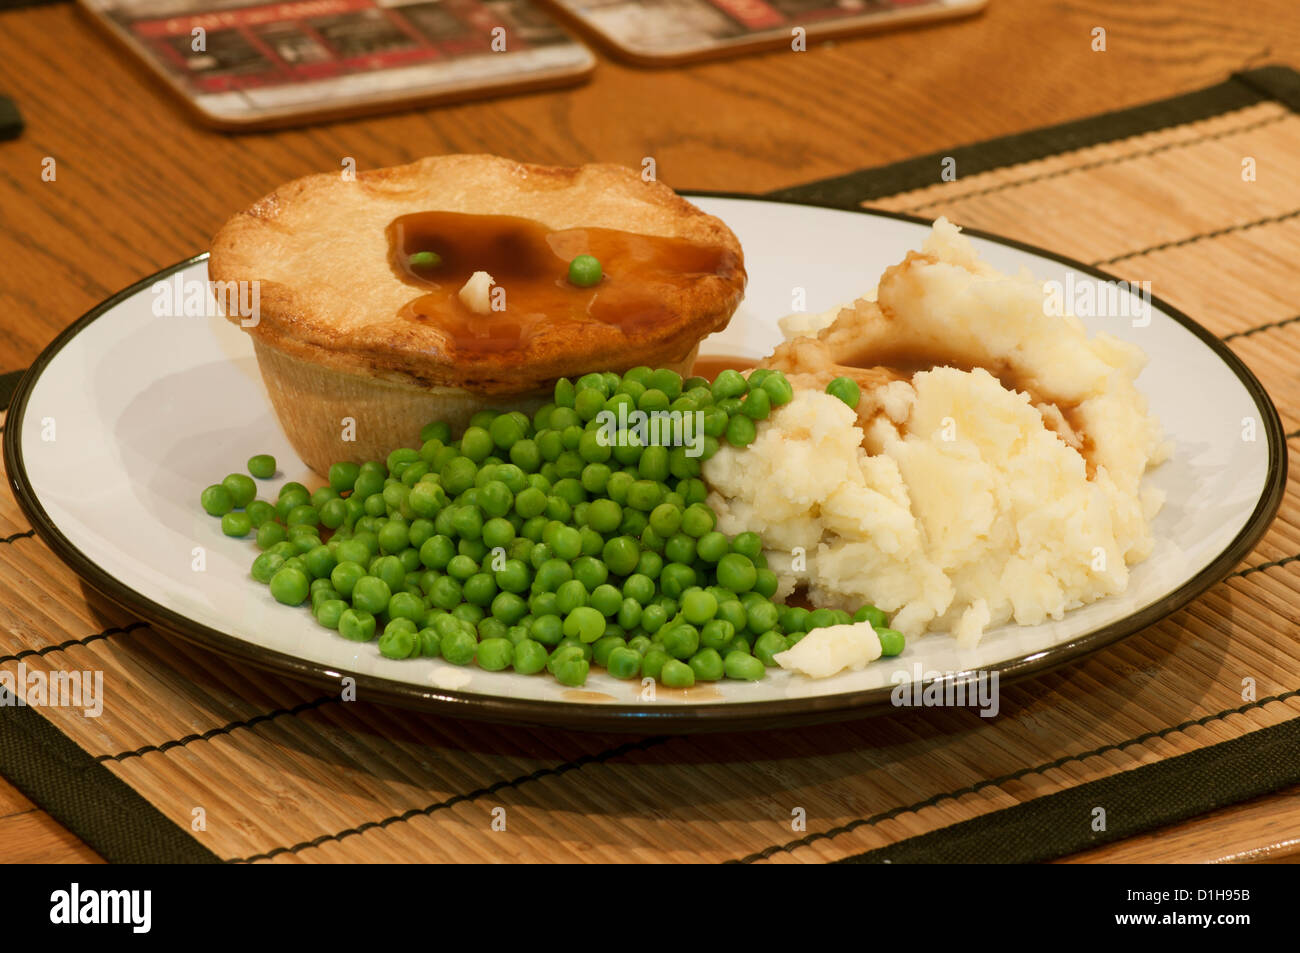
[[824, 652], [476, 294]]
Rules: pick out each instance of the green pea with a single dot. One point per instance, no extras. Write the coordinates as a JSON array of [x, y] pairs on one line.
[[398, 641], [479, 589], [675, 579], [601, 648], [681, 640], [429, 643], [717, 633], [767, 645], [546, 629], [260, 513], [495, 499], [585, 623], [820, 619], [570, 595], [529, 657], [653, 618], [470, 614], [262, 466], [371, 594], [698, 607], [649, 564], [653, 662], [740, 431], [458, 646], [697, 520], [892, 641], [406, 605], [508, 607], [584, 272], [330, 612], [236, 523], [639, 587], [390, 570], [623, 662], [437, 551], [757, 404], [241, 487], [357, 625], [763, 616], [778, 389], [320, 561], [621, 555], [496, 654], [734, 612], [629, 613], [680, 549], [571, 671], [302, 515], [676, 674], [766, 583], [606, 599], [217, 500], [265, 566], [513, 576], [289, 586], [491, 628], [737, 572], [794, 619], [644, 495], [743, 666], [846, 389], [707, 665], [712, 546], [640, 644], [394, 537], [729, 383], [870, 613], [567, 543], [715, 422]]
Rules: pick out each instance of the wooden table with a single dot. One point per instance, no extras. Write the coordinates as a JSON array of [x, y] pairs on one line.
[[139, 186]]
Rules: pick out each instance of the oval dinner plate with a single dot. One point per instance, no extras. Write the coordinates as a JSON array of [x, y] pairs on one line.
[[145, 411]]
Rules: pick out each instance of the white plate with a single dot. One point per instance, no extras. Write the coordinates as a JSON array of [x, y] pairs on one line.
[[145, 411]]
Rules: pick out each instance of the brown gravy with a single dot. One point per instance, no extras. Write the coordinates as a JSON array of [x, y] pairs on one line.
[[910, 359], [529, 262], [581, 695], [709, 366], [700, 691]]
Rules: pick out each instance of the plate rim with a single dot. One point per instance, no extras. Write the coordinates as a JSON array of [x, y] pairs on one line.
[[678, 718]]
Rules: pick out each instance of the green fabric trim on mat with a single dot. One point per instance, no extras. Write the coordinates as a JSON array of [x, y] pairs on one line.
[[1135, 801], [1243, 89], [123, 827], [60, 777]]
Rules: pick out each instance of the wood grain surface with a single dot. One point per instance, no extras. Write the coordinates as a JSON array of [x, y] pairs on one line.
[[139, 186]]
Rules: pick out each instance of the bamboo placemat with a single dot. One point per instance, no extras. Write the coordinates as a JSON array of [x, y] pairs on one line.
[[1152, 730]]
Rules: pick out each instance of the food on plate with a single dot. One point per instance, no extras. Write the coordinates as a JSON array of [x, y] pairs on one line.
[[944, 454], [807, 323], [456, 283], [986, 465], [547, 542], [831, 650]]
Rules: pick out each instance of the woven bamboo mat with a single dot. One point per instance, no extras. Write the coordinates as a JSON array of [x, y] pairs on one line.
[[278, 771]]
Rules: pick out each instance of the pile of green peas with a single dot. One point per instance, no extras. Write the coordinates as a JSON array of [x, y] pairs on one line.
[[531, 543]]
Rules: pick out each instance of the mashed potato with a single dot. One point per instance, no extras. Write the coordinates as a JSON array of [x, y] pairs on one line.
[[808, 324], [952, 498]]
